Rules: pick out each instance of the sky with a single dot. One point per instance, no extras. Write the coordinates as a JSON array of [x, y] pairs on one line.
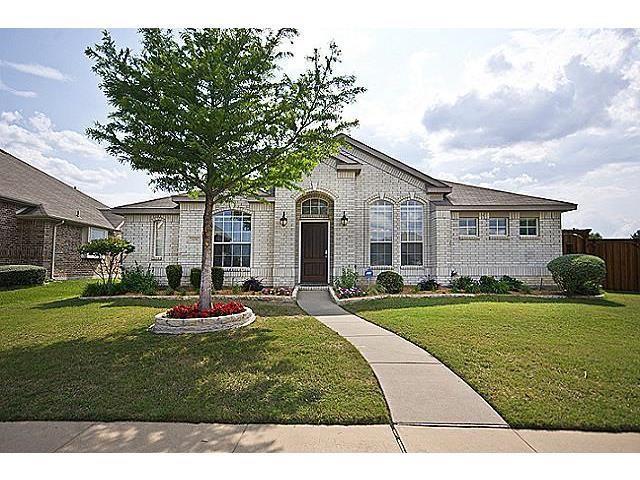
[[553, 113]]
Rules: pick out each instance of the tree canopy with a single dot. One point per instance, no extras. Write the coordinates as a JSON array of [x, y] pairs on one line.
[[215, 113]]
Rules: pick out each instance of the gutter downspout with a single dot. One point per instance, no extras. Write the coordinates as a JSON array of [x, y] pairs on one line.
[[53, 247]]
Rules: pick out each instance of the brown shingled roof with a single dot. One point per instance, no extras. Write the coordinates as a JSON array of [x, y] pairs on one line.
[[48, 197]]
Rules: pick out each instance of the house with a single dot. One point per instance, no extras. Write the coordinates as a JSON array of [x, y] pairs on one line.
[[361, 209], [43, 221]]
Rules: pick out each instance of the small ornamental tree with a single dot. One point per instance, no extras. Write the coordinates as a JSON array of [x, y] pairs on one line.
[[109, 253], [213, 112]]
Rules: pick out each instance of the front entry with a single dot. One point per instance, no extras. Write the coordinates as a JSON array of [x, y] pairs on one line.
[[314, 252]]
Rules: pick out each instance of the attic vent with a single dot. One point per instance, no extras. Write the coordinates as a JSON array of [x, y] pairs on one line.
[[78, 213]]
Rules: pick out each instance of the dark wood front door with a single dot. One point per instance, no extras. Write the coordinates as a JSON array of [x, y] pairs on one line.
[[314, 252]]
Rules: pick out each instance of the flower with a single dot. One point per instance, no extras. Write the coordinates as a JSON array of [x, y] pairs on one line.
[[218, 309]]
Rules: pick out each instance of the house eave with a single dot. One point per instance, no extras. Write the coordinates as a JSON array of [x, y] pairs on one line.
[[561, 208]]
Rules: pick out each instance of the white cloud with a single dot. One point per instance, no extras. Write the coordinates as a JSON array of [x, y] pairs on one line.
[[37, 142], [37, 70], [18, 93]]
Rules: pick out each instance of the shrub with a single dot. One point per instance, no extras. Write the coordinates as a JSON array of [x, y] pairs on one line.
[[578, 273], [217, 278], [252, 285], [515, 285], [347, 278], [194, 277], [217, 310], [391, 281], [139, 280], [489, 284], [100, 289], [464, 284], [376, 289], [12, 275], [174, 275], [427, 285], [349, 292], [110, 253]]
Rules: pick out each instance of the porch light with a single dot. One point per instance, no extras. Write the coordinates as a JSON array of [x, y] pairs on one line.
[[283, 220], [344, 220]]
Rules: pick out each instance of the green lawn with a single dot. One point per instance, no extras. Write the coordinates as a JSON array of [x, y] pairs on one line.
[[542, 363], [71, 359]]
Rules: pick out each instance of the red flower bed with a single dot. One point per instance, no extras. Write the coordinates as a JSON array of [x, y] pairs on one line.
[[217, 310]]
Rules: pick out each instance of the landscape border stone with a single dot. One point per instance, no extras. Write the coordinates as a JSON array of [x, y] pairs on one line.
[[174, 326]]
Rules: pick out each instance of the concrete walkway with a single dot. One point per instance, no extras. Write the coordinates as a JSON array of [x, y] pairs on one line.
[[418, 388], [133, 437]]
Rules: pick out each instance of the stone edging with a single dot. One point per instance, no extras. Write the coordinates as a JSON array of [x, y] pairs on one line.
[[174, 326], [260, 298]]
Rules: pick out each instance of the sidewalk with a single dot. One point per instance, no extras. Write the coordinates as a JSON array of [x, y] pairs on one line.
[[132, 437], [419, 389]]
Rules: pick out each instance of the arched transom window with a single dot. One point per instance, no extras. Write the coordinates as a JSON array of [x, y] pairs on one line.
[[381, 233], [411, 232], [315, 206], [232, 239]]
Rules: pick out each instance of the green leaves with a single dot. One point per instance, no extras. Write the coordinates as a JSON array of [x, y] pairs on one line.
[[106, 246]]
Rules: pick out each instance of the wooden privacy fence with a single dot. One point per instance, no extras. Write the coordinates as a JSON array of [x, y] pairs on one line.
[[622, 257]]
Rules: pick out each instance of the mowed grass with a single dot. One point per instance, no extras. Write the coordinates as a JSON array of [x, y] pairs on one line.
[[62, 358], [542, 363]]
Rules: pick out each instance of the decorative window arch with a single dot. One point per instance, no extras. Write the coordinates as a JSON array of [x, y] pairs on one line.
[[381, 233], [232, 239], [411, 232], [315, 206]]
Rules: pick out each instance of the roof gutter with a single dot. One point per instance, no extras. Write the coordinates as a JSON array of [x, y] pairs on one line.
[[53, 248]]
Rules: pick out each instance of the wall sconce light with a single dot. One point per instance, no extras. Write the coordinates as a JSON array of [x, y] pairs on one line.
[[283, 220], [344, 220]]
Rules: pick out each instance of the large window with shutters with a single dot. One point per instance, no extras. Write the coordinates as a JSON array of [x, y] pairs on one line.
[[411, 232], [232, 239], [381, 233]]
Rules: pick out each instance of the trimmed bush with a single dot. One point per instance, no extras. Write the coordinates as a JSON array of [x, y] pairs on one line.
[[174, 275], [139, 280], [578, 274], [252, 285], [100, 289], [194, 277], [392, 282], [427, 285], [217, 278], [13, 275]]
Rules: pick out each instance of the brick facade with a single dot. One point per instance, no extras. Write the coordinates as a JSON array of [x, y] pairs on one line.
[[276, 250]]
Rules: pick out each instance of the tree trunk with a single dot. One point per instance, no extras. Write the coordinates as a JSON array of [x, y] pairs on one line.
[[207, 253]]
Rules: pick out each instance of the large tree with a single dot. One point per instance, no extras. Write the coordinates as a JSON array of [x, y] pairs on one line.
[[214, 113]]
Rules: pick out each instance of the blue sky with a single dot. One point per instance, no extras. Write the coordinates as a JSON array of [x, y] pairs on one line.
[[544, 112]]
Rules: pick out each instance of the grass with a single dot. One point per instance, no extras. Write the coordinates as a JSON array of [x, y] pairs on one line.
[[542, 363], [63, 358]]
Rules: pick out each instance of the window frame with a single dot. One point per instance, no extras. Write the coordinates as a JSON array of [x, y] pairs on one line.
[[467, 227], [497, 231], [89, 230], [321, 204], [240, 214], [388, 244], [405, 208], [527, 227], [154, 238]]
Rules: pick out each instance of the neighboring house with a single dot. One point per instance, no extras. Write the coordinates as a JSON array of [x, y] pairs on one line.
[[43, 221], [360, 209]]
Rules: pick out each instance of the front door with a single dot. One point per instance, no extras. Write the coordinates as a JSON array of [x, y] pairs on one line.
[[314, 250]]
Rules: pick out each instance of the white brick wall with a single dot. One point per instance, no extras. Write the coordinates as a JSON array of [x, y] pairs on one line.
[[275, 249]]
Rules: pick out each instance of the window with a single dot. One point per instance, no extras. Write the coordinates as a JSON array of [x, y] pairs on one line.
[[411, 214], [158, 238], [498, 227], [232, 239], [97, 233], [528, 227], [381, 233], [314, 206], [468, 227]]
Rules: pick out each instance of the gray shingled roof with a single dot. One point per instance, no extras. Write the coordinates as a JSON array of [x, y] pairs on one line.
[[163, 202], [46, 196], [472, 196]]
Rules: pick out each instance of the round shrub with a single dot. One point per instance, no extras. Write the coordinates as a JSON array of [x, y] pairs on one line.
[[174, 275], [391, 281], [578, 274], [217, 277], [12, 275], [194, 277]]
